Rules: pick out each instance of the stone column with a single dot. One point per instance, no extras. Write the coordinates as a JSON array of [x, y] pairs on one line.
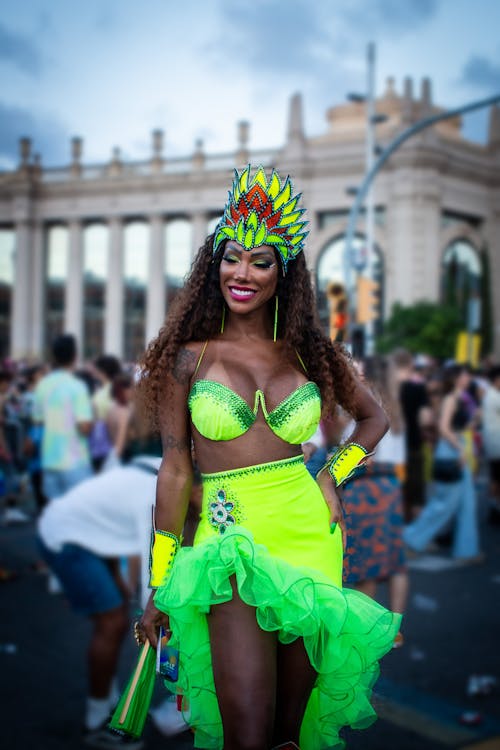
[[155, 304], [113, 330], [73, 318], [22, 294], [38, 281], [397, 266], [413, 255], [198, 231]]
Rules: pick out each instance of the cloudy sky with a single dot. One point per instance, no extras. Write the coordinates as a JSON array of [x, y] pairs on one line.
[[113, 70]]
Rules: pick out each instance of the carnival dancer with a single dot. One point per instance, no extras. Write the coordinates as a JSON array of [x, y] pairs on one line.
[[272, 649]]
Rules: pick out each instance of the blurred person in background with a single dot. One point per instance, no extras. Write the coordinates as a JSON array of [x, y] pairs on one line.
[[12, 456], [452, 496], [428, 421], [413, 396], [119, 419], [7, 468], [62, 406], [33, 434], [119, 423], [373, 504], [490, 412], [82, 539], [106, 367]]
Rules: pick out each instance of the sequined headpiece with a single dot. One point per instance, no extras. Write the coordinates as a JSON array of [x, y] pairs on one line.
[[259, 212]]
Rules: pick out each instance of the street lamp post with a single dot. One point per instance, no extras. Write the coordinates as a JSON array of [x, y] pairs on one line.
[[363, 263], [370, 151], [363, 191]]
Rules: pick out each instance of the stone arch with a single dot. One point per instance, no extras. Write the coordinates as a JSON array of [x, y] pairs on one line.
[[461, 231], [461, 277], [316, 245], [331, 265]]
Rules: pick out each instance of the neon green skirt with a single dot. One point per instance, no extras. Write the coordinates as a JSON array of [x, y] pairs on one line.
[[268, 525]]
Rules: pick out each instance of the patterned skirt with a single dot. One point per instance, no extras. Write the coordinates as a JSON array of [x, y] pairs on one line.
[[374, 521]]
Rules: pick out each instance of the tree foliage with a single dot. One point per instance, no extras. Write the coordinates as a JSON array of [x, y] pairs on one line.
[[487, 311], [424, 327]]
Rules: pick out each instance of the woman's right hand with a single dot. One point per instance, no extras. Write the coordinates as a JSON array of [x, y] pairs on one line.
[[334, 503], [150, 622]]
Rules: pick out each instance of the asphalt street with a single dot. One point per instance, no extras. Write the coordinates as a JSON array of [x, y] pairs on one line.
[[451, 631]]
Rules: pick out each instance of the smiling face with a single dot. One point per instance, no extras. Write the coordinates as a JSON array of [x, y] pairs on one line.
[[247, 277]]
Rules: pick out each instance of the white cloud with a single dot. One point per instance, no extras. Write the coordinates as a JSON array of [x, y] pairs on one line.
[[113, 72]]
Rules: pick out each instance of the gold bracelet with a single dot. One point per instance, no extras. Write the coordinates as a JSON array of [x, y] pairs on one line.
[[344, 462], [164, 547]]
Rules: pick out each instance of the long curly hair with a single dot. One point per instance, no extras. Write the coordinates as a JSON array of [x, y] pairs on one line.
[[196, 314]]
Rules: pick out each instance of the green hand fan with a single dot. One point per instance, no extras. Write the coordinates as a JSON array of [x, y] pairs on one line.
[[130, 714]]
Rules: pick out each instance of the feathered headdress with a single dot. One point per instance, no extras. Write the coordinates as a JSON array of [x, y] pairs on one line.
[[262, 212]]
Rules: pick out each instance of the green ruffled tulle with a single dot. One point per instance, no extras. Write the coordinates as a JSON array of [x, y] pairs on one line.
[[344, 631]]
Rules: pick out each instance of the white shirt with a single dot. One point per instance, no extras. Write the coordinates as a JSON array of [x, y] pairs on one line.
[[391, 449], [109, 514], [317, 439]]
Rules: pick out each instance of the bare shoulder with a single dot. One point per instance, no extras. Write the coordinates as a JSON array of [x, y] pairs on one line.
[[185, 362], [450, 400]]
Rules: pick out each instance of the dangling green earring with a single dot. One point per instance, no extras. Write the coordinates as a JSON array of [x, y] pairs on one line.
[[275, 317], [223, 320]]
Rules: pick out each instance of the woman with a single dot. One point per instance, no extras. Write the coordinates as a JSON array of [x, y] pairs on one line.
[[428, 421], [270, 646], [490, 411], [119, 419], [452, 495], [105, 368], [375, 549]]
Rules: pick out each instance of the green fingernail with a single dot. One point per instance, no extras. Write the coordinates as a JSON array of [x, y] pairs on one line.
[[333, 526]]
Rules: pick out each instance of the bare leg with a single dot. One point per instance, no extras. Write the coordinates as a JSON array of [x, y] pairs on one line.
[[367, 587], [110, 629], [296, 679], [244, 667], [133, 573], [398, 592]]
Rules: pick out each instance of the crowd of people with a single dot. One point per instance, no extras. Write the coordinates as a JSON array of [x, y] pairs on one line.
[[274, 525], [415, 493]]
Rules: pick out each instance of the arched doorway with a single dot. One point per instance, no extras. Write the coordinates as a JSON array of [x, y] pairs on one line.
[[461, 278], [56, 276], [135, 282], [95, 273], [178, 244]]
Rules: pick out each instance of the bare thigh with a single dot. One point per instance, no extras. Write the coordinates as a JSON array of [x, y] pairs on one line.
[[244, 666]]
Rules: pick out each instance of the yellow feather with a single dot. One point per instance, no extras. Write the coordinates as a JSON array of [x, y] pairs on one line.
[[284, 196], [290, 206], [244, 180], [291, 219], [260, 178], [274, 186]]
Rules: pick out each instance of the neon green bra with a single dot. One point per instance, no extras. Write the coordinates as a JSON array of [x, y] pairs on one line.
[[218, 413]]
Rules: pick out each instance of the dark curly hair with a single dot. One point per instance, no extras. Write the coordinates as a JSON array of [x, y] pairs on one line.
[[196, 313]]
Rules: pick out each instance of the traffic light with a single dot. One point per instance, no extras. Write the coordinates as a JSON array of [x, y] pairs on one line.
[[337, 299], [367, 300]]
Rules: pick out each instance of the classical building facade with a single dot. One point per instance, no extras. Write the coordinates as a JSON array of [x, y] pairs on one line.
[[99, 250]]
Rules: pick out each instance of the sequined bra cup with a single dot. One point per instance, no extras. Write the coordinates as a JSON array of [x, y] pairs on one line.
[[218, 413]]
